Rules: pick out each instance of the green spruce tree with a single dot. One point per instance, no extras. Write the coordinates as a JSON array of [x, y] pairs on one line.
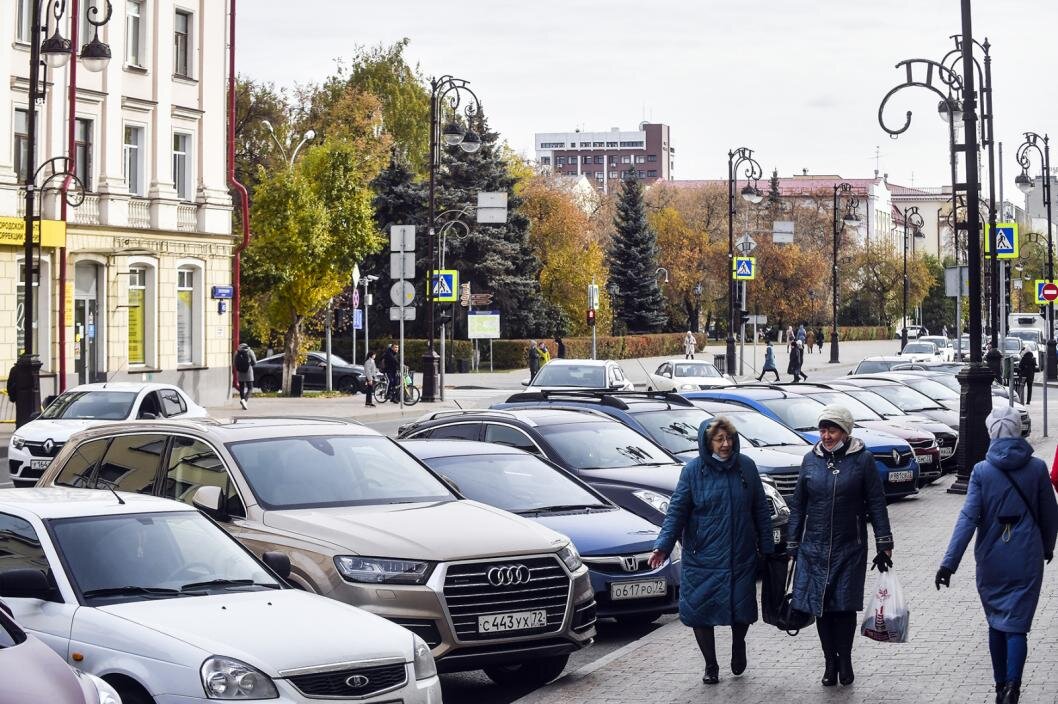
[[633, 259]]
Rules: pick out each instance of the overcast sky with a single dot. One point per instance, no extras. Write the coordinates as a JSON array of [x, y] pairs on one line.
[[798, 81]]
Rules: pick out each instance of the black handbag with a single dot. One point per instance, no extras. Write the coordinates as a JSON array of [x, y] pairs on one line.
[[777, 600]]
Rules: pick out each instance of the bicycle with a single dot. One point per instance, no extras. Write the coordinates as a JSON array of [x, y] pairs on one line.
[[383, 393]]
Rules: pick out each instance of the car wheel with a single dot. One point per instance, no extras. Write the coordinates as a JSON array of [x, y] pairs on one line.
[[348, 385], [269, 384], [637, 620], [533, 673]]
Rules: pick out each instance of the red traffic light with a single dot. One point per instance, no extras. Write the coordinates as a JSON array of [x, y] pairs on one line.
[[591, 317]]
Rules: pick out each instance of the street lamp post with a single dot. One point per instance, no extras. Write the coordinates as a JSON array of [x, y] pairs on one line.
[[852, 219], [291, 156], [697, 323], [52, 52], [751, 194], [1025, 184], [446, 90], [913, 218]]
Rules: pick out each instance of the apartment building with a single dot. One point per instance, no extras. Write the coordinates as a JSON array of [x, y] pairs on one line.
[[607, 157]]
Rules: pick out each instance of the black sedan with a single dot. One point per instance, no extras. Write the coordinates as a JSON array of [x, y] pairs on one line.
[[347, 378]]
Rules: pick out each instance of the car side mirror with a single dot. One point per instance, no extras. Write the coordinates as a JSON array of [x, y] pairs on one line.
[[525, 382], [25, 584], [668, 375], [48, 400], [210, 501], [616, 385], [34, 415], [147, 415], [278, 562]]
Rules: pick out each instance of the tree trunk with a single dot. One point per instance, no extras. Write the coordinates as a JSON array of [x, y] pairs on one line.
[[291, 348]]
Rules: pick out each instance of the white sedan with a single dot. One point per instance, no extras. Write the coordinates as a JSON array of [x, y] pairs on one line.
[[33, 446], [166, 607], [572, 374], [921, 352], [687, 375]]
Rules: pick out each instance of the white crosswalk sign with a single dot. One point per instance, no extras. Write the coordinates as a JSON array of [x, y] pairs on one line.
[[1005, 239], [744, 268]]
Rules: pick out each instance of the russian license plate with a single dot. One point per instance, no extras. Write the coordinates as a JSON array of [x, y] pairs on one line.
[[517, 621], [946, 452], [924, 459], [638, 590], [39, 464], [904, 476]]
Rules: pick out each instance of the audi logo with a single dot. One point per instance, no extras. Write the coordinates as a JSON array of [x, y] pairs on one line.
[[357, 681], [508, 575]]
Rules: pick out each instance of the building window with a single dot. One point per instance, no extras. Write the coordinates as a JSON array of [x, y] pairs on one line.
[[134, 32], [631, 144], [138, 315], [626, 159], [611, 144], [599, 159], [134, 159], [640, 174], [181, 165], [22, 26], [598, 144], [552, 145], [182, 44], [652, 173], [83, 152], [652, 158], [613, 174], [545, 161], [586, 160], [640, 159], [21, 145], [599, 175], [185, 316], [585, 144], [560, 161]]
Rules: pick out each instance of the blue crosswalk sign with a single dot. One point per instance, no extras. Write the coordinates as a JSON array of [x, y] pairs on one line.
[[445, 285], [744, 268], [1005, 240]]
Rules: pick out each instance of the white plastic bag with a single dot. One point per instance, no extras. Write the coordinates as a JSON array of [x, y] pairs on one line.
[[887, 617]]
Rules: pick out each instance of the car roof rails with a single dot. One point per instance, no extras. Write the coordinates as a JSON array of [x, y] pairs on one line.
[[434, 415], [605, 398], [315, 419]]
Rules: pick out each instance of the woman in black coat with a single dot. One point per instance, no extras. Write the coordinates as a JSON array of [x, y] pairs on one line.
[[838, 491]]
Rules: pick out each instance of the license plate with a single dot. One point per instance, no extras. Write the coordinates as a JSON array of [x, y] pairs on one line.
[[638, 590], [39, 464], [517, 621], [776, 535], [904, 476], [924, 459], [947, 452]]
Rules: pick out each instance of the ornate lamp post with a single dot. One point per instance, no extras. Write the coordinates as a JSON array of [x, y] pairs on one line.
[[1025, 184], [444, 91], [912, 218], [852, 219], [52, 52], [751, 194]]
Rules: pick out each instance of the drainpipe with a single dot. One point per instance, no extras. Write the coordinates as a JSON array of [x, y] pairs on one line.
[[238, 187], [71, 152]]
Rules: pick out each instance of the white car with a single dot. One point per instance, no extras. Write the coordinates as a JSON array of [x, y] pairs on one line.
[[944, 346], [687, 375], [33, 446], [921, 352], [913, 331], [166, 607], [565, 374]]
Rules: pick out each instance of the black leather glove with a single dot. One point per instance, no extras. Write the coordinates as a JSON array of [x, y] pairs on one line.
[[943, 577], [883, 562]]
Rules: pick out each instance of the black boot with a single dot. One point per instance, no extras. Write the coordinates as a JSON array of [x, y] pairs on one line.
[[845, 674], [830, 671], [1001, 688], [707, 644], [738, 656], [712, 674], [1012, 693]]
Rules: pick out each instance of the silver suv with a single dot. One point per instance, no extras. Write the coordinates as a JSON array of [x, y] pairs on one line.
[[364, 522]]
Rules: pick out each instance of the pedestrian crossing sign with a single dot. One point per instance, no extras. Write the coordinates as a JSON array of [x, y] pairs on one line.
[[1005, 240], [445, 285], [744, 268]]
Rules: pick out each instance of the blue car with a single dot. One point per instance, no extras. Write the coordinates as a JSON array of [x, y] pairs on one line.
[[614, 543], [894, 458]]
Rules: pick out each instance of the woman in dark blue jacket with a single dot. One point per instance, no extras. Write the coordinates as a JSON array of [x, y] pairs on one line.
[[1011, 506], [720, 515], [837, 492]]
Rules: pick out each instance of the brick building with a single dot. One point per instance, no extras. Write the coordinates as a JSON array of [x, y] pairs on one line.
[[606, 157]]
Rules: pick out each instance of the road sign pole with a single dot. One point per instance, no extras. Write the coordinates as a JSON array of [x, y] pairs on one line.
[[327, 332], [367, 336]]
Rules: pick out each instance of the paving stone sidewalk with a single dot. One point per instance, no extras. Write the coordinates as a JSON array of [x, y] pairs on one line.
[[946, 659]]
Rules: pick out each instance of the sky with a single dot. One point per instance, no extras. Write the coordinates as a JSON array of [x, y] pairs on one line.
[[797, 81]]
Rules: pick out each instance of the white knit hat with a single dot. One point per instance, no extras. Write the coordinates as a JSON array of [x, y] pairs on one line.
[[837, 415], [1003, 422]]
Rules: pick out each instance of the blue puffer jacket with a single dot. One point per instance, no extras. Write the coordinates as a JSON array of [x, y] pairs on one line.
[[835, 497], [1009, 564], [721, 516]]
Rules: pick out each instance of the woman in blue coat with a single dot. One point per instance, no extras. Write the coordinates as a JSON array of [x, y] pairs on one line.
[[838, 492], [720, 515], [1011, 506]]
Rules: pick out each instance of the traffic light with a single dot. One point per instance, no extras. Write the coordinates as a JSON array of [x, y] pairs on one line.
[[591, 317]]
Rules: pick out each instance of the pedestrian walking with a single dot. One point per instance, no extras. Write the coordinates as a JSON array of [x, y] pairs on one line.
[[801, 332], [769, 363], [560, 346], [370, 370], [1027, 370], [1011, 506], [819, 338], [810, 340], [390, 367], [534, 359], [797, 356], [789, 337], [944, 331], [689, 343], [720, 514], [838, 491], [244, 362], [545, 353]]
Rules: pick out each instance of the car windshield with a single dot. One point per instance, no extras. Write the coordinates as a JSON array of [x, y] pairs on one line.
[[91, 405], [906, 399], [762, 431], [676, 430], [339, 470], [938, 341], [934, 389], [133, 557], [695, 369], [1011, 344], [797, 412], [1031, 335], [602, 445], [859, 410], [920, 348], [519, 483], [872, 366], [588, 376], [876, 403]]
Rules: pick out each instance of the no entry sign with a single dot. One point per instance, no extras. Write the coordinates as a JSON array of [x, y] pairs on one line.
[[1049, 292]]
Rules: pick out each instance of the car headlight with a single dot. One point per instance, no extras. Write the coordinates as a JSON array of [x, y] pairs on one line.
[[773, 493], [228, 678], [104, 692], [379, 570], [658, 502], [424, 664], [570, 557], [17, 442]]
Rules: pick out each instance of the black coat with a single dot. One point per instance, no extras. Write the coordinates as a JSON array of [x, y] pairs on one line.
[[835, 497], [389, 361], [795, 360], [1027, 365]]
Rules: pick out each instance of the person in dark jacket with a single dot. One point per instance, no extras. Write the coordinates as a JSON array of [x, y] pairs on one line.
[[820, 337], [370, 370], [390, 367], [1027, 371], [534, 359], [1011, 506], [769, 363], [721, 517], [244, 362], [838, 491], [797, 356], [560, 347]]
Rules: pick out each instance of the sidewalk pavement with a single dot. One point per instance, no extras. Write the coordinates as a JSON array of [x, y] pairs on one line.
[[946, 659]]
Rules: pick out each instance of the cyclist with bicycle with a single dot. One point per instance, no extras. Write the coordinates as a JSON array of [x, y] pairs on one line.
[[390, 366], [370, 372]]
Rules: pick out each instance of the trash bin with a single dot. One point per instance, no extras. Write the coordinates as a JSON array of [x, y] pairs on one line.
[[463, 366], [297, 385], [720, 362]]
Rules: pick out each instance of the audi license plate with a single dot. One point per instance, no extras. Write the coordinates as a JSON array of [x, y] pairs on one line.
[[946, 452], [638, 590], [39, 464], [904, 476], [924, 459], [517, 621]]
